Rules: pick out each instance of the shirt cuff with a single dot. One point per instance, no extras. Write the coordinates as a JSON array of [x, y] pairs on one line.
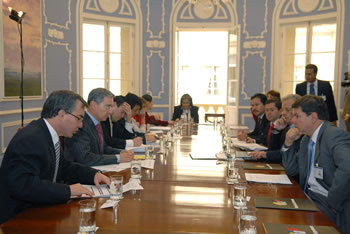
[[118, 158], [128, 126], [284, 149], [129, 143]]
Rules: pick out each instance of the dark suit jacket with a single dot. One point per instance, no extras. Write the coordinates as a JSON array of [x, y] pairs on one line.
[[324, 89], [27, 171], [178, 112], [84, 146], [111, 140], [331, 154], [260, 131]]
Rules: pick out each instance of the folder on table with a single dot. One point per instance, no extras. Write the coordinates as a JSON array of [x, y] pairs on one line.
[[263, 166], [276, 228], [285, 203]]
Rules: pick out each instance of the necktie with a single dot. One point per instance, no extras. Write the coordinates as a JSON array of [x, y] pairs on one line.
[[310, 151], [99, 131], [58, 154], [312, 89], [269, 133]]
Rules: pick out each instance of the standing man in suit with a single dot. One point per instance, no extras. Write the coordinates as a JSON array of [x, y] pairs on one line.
[[33, 166], [278, 133], [322, 162], [313, 86], [262, 125], [87, 146]]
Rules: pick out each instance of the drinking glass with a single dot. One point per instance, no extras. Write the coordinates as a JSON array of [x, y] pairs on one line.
[[240, 195], [87, 210], [135, 169], [232, 171], [116, 187], [149, 152], [248, 221]]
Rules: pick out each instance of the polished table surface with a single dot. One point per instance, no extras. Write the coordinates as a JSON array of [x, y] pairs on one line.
[[180, 195]]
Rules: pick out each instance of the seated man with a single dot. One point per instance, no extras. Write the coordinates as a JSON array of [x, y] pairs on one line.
[[120, 109], [262, 125], [322, 162], [87, 146], [124, 127], [278, 133], [33, 167]]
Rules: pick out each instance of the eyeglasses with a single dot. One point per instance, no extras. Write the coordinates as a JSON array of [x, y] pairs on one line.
[[79, 118]]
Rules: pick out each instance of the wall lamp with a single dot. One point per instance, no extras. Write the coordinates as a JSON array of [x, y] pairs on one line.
[[16, 15]]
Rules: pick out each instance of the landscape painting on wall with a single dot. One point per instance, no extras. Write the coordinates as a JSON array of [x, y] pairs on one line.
[[31, 38]]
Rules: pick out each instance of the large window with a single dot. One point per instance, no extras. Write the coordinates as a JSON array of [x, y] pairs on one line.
[[310, 43], [107, 57]]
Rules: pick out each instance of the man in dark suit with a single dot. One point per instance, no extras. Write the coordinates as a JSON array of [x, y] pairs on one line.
[[262, 125], [313, 86], [33, 167], [322, 162], [278, 133], [87, 145], [120, 110]]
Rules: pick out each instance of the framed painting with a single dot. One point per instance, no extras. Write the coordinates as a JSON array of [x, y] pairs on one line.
[[31, 38]]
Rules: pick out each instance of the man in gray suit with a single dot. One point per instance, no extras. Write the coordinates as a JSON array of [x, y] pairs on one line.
[[322, 162], [87, 146]]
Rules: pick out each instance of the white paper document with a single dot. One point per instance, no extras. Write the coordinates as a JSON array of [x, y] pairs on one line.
[[269, 179], [147, 163], [113, 167], [133, 184], [162, 128], [109, 203], [103, 191], [138, 149], [239, 127], [248, 146]]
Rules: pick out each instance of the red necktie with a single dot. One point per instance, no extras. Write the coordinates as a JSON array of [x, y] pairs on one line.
[[269, 134], [98, 126]]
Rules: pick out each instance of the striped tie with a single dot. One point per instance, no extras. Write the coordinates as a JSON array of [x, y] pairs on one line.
[[58, 153]]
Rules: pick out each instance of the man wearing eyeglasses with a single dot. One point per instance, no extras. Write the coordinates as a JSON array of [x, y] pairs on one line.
[[88, 146], [33, 167]]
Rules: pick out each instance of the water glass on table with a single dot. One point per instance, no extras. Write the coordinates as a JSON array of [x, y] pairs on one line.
[[136, 169], [87, 210], [248, 221], [149, 152], [232, 171], [240, 195], [116, 187]]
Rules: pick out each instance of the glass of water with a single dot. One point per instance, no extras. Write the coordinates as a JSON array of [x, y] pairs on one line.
[[248, 221], [87, 222], [116, 187], [135, 169], [149, 152], [232, 171], [240, 195]]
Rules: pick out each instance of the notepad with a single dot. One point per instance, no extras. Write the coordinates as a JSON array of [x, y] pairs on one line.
[[276, 228], [263, 166], [268, 179], [285, 203]]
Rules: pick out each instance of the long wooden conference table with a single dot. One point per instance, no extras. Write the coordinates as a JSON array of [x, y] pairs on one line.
[[180, 195]]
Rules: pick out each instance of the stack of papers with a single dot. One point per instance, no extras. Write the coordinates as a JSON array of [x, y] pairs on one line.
[[247, 146], [268, 179], [147, 163], [162, 128]]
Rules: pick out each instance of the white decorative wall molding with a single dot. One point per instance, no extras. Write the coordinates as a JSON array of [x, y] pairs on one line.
[[254, 44], [203, 9], [348, 60], [69, 51], [68, 21], [94, 7], [290, 8], [244, 116], [244, 58], [155, 44], [308, 5], [220, 12], [11, 124], [151, 35], [324, 7], [248, 36], [187, 13], [109, 6], [18, 111], [149, 57], [125, 9], [55, 33]]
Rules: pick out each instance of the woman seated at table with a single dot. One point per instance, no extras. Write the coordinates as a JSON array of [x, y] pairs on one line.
[[150, 119], [186, 110]]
